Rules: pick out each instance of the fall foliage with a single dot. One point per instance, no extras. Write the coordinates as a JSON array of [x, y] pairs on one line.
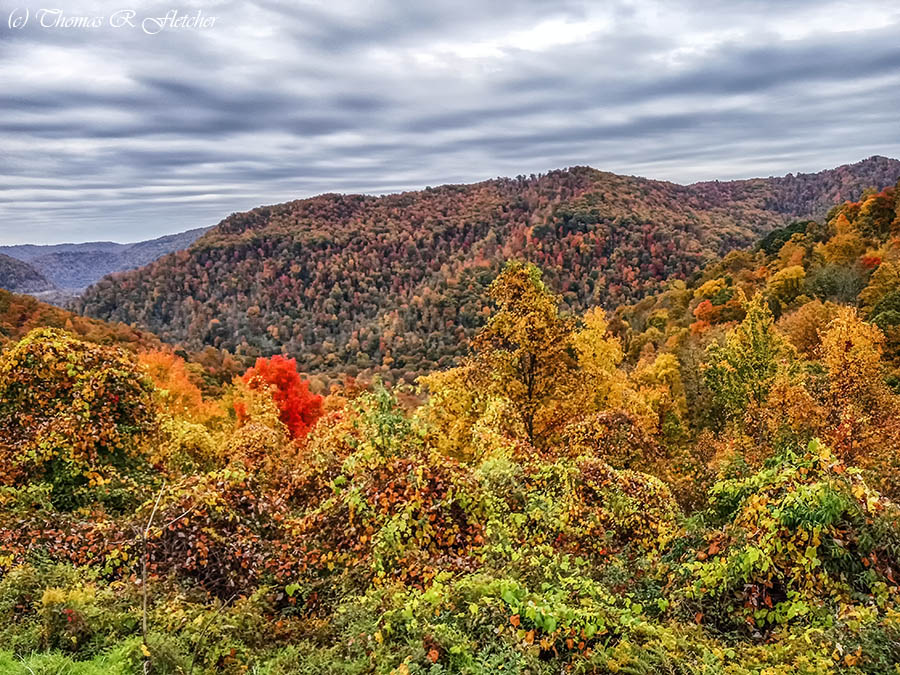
[[701, 481]]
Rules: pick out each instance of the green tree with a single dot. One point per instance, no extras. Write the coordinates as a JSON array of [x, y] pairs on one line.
[[742, 370]]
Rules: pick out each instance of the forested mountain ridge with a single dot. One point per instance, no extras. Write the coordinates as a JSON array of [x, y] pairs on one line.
[[396, 284]]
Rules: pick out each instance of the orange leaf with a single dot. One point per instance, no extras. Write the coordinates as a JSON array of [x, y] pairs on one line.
[[433, 655], [514, 620]]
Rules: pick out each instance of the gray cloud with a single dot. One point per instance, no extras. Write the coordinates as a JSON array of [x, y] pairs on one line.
[[115, 134]]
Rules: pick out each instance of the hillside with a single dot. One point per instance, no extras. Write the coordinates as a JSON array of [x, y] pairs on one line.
[[20, 277], [74, 267], [20, 314], [396, 284]]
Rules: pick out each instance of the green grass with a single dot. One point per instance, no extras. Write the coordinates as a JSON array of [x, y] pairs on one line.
[[118, 661]]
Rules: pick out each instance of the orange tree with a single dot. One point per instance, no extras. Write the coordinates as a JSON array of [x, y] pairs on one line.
[[525, 351]]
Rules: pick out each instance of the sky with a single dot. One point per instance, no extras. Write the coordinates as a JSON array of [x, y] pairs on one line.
[[118, 123]]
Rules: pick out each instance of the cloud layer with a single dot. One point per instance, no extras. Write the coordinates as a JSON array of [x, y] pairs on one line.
[[117, 134]]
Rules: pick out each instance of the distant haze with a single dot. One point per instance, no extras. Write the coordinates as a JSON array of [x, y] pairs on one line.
[[115, 134]]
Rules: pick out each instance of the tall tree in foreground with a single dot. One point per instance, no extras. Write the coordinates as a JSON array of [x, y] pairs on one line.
[[525, 351]]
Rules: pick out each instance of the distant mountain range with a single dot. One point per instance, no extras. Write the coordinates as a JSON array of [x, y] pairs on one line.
[[61, 271], [21, 277], [396, 284]]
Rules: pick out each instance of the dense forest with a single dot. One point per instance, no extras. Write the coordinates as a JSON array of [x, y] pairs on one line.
[[395, 286], [702, 480]]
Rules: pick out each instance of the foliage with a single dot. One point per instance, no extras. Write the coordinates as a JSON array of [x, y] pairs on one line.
[[742, 370], [693, 483], [298, 409], [71, 413], [803, 537]]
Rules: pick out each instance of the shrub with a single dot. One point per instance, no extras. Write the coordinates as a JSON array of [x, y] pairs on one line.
[[801, 536], [71, 413]]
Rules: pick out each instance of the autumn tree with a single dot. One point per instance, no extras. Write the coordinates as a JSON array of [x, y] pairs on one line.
[[880, 299], [803, 326], [525, 352], [786, 284], [851, 351], [598, 355], [298, 408], [176, 387]]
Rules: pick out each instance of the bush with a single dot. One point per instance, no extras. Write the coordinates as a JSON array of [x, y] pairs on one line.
[[801, 536], [71, 414]]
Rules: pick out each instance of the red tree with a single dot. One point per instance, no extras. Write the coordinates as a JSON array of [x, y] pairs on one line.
[[298, 408]]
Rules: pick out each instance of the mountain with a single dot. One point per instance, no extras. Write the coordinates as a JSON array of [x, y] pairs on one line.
[[396, 284], [74, 267], [20, 277]]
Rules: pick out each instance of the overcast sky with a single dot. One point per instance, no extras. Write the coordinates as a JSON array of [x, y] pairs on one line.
[[133, 132]]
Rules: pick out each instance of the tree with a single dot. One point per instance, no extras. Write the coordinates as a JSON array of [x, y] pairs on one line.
[[787, 284], [884, 281], [803, 327], [176, 389], [851, 351], [742, 370], [298, 408], [525, 352]]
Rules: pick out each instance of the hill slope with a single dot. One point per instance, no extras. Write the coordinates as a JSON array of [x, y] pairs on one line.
[[74, 267], [396, 283], [20, 277], [20, 314]]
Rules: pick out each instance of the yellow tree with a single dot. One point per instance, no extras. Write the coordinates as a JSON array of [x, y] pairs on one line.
[[599, 355], [851, 351], [786, 284], [525, 353], [884, 281], [863, 411], [456, 407]]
